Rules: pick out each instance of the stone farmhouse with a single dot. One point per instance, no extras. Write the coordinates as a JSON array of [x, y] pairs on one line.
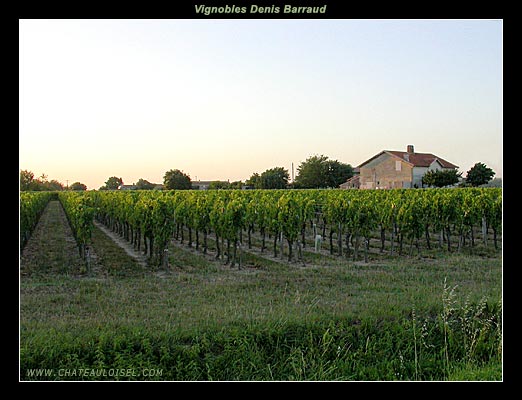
[[396, 169]]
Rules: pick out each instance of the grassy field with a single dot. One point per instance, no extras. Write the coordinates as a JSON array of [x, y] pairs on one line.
[[406, 318]]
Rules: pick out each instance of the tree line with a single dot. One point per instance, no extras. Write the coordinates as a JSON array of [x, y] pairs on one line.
[[478, 175], [28, 182], [316, 172], [319, 172]]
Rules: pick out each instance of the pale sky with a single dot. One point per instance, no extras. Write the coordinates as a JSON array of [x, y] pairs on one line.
[[222, 99]]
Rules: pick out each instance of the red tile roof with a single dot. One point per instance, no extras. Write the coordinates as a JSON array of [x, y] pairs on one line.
[[422, 159], [415, 159]]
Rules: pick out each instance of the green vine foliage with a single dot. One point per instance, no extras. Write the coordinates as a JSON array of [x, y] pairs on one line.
[[158, 215]]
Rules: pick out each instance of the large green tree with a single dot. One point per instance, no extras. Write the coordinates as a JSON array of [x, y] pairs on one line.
[[144, 184], [112, 183], [26, 180], [440, 178], [337, 173], [254, 181], [320, 172], [479, 174], [176, 179], [274, 178], [78, 186], [236, 185]]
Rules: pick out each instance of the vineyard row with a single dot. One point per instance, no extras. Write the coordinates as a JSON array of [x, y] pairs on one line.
[[150, 219]]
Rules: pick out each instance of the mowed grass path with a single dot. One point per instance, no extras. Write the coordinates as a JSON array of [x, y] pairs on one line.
[[67, 316], [51, 248]]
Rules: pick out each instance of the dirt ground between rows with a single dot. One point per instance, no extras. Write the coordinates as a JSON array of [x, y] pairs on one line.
[[125, 245], [52, 247]]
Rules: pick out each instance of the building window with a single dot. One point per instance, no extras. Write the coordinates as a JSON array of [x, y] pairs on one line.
[[398, 165]]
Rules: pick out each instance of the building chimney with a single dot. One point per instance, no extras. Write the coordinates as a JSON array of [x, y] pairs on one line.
[[409, 149]]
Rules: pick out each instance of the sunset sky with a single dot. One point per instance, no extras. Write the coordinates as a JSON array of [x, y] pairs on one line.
[[222, 99]]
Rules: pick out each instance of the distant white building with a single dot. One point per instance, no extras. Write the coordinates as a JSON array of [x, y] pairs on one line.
[[127, 187], [201, 185]]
